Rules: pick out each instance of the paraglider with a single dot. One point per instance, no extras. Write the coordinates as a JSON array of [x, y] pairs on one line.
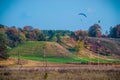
[[82, 14]]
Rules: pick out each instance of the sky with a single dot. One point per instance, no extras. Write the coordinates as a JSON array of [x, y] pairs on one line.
[[60, 14]]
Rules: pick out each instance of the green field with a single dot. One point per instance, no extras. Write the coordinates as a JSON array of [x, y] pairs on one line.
[[62, 60]]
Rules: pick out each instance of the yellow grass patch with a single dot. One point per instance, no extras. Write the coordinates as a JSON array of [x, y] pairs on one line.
[[13, 62]]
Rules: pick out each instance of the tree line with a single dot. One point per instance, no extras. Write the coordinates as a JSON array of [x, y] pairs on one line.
[[96, 31]]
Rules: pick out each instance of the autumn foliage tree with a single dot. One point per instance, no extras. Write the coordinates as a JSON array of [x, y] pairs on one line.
[[81, 34], [95, 31], [28, 28], [80, 45], [13, 37], [35, 35]]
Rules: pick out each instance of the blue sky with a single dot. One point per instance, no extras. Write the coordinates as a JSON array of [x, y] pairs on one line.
[[60, 14]]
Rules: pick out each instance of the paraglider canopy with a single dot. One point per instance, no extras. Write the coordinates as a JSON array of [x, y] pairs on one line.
[[82, 14]]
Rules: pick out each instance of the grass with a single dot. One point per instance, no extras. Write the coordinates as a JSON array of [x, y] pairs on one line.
[[29, 47], [51, 59], [62, 60], [61, 75], [36, 48]]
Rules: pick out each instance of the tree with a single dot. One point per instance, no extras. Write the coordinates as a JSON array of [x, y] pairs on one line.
[[1, 26], [80, 45], [58, 38], [51, 34], [95, 31], [73, 36], [35, 35], [81, 34], [13, 37], [115, 31], [30, 35], [118, 31], [28, 28], [3, 46], [39, 35], [112, 32]]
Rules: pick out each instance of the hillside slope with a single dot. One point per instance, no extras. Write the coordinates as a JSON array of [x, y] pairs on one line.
[[52, 49], [34, 50], [112, 44]]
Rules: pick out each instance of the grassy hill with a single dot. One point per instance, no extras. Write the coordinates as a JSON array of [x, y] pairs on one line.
[[33, 50]]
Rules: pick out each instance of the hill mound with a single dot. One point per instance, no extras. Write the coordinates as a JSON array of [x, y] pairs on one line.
[[52, 49]]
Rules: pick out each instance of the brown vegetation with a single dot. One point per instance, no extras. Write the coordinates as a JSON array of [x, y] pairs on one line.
[[61, 75]]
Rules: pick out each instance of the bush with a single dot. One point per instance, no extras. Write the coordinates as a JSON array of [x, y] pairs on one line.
[[3, 46]]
